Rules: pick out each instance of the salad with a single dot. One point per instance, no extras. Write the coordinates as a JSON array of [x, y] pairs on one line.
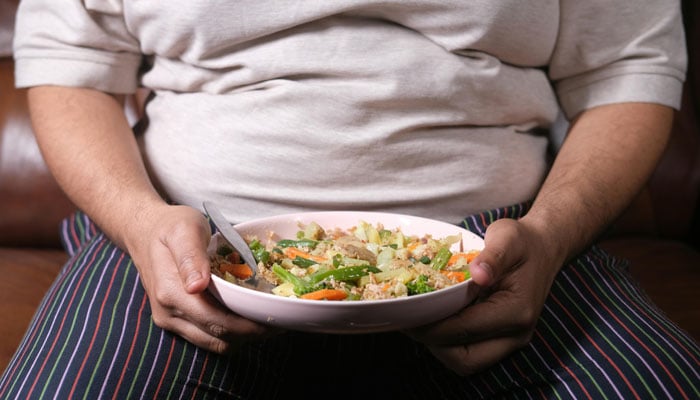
[[364, 262]]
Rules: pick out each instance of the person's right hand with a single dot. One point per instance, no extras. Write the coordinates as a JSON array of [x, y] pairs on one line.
[[168, 246], [167, 243]]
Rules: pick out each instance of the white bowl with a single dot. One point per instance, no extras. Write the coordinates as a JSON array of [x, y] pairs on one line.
[[348, 316]]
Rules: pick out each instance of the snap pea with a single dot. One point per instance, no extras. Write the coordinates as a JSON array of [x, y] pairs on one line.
[[441, 258], [259, 252], [300, 285], [385, 235], [303, 262], [297, 243], [343, 274]]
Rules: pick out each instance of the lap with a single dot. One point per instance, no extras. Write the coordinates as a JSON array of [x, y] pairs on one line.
[[598, 336]]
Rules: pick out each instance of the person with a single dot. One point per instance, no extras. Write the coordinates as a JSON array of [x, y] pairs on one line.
[[440, 109]]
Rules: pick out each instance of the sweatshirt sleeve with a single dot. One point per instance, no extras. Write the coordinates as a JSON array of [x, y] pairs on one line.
[[75, 43], [612, 52]]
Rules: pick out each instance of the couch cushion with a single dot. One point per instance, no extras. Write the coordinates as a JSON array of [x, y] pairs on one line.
[[669, 272], [26, 275]]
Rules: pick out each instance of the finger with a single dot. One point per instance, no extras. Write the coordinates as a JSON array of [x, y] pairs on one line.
[[206, 313], [220, 322], [204, 339], [188, 248], [200, 319], [214, 336], [494, 317], [502, 252], [469, 359]]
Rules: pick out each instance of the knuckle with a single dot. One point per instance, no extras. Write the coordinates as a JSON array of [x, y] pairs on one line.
[[179, 227], [525, 321], [465, 368], [164, 299], [187, 261], [216, 330], [526, 338], [497, 253], [160, 321]]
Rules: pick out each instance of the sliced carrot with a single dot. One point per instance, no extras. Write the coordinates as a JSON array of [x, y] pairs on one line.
[[234, 258], [293, 252], [413, 245], [468, 257], [459, 276], [240, 271], [325, 294]]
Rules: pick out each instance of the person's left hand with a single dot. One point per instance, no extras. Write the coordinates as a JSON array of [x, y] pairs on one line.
[[515, 271]]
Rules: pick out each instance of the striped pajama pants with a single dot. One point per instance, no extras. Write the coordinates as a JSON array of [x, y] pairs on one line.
[[599, 337]]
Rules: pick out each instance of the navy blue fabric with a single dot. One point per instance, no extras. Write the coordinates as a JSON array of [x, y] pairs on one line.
[[92, 337]]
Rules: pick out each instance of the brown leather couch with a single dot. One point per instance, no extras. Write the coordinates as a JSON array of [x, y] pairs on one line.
[[659, 234]]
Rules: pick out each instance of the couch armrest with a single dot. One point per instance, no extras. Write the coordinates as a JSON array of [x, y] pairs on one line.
[[31, 203]]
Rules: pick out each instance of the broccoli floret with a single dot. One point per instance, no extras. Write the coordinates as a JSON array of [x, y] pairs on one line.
[[419, 285]]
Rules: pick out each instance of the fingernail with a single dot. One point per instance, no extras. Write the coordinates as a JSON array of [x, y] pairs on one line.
[[193, 278], [486, 268]]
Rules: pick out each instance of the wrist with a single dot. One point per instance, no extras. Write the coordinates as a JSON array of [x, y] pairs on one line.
[[137, 220], [555, 238]]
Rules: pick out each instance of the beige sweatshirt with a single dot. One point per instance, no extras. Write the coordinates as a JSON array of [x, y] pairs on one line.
[[427, 107]]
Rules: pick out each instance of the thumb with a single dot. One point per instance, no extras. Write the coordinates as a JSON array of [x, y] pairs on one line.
[[500, 253], [188, 247], [193, 270]]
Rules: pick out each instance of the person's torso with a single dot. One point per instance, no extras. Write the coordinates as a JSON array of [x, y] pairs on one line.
[[423, 107]]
